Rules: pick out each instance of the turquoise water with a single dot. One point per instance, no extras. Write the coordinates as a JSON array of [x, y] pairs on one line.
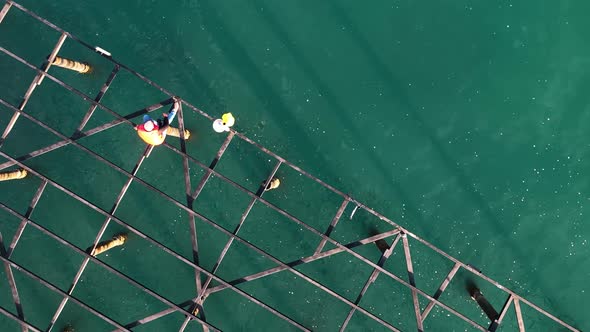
[[462, 121]]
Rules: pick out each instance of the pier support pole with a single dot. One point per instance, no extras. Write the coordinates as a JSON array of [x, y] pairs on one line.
[[14, 175], [483, 303], [82, 68], [273, 184], [117, 240], [175, 132]]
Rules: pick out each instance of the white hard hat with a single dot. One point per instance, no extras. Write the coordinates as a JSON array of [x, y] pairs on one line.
[[219, 127], [148, 125]]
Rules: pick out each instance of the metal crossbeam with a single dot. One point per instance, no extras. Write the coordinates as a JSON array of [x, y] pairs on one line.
[[189, 203], [100, 234], [13, 288], [56, 289], [371, 280], [63, 85], [94, 207], [190, 200], [51, 58], [209, 170], [19, 320], [304, 260], [98, 98], [336, 243], [253, 195], [23, 224], [496, 323], [412, 280], [269, 272], [67, 140], [8, 253], [227, 180], [519, 315], [5, 10], [333, 224], [116, 272], [36, 81], [259, 193], [151, 240], [440, 290]]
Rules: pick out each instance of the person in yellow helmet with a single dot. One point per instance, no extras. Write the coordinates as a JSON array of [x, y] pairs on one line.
[[154, 131]]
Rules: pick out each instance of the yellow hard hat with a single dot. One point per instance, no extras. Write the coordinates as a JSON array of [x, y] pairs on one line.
[[228, 119]]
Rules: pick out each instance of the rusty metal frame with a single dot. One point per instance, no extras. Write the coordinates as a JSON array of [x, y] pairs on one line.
[[197, 301]]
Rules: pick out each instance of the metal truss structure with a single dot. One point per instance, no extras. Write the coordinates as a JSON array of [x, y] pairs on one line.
[[194, 307]]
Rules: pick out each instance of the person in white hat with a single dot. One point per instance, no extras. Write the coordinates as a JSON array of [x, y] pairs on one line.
[[153, 131]]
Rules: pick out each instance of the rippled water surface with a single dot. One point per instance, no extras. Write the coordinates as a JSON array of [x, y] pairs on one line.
[[465, 121]]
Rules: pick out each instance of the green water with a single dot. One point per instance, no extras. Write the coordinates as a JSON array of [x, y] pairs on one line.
[[463, 121]]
